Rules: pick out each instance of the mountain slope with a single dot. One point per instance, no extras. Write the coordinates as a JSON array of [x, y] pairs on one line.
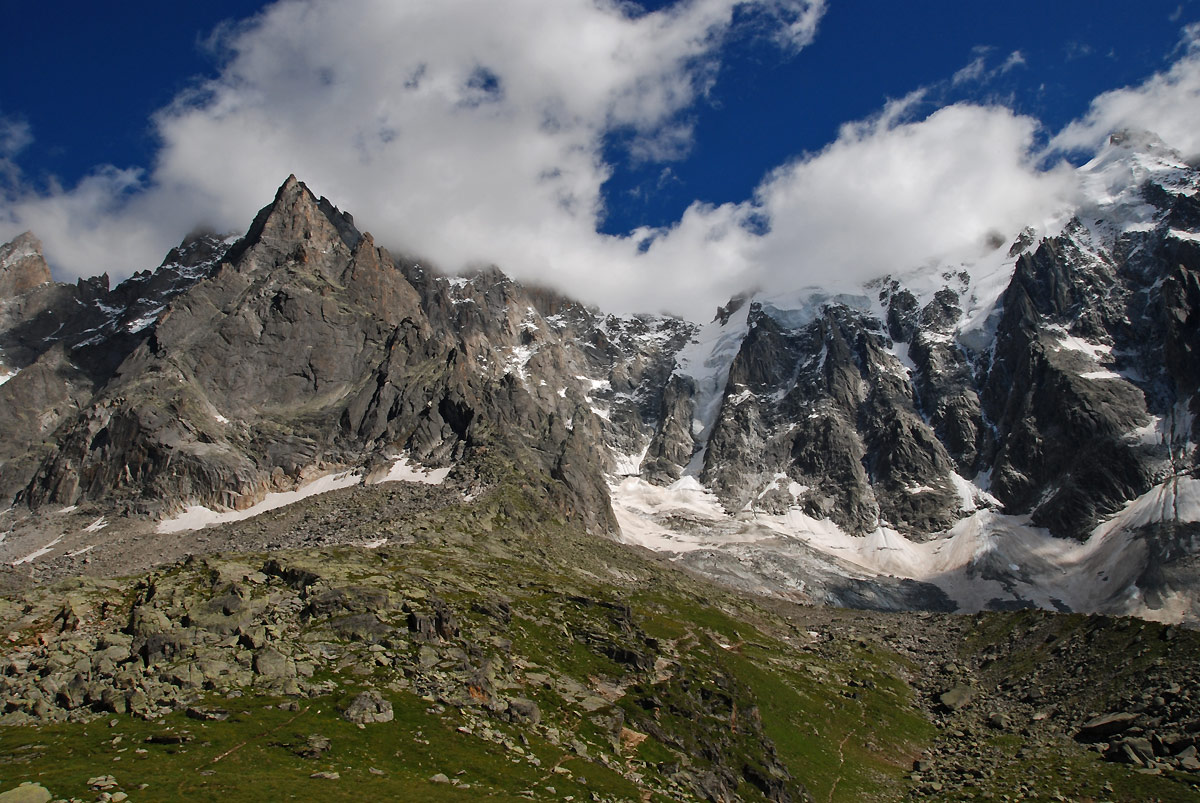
[[507, 659], [1010, 432], [963, 426]]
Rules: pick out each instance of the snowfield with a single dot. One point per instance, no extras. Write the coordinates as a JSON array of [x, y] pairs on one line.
[[984, 559], [197, 517]]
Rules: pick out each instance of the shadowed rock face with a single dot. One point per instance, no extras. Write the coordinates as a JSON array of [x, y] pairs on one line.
[[1076, 397]]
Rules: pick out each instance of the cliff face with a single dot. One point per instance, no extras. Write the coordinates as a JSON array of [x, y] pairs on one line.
[[236, 370], [22, 266]]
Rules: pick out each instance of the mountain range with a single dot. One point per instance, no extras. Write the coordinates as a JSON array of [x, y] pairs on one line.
[[1011, 432], [297, 515]]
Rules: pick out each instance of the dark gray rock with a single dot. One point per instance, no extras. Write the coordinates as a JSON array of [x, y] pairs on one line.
[[523, 711], [1099, 728]]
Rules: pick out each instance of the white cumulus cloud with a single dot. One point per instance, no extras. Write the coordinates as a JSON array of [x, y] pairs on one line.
[[888, 196], [1167, 103], [465, 131], [470, 131]]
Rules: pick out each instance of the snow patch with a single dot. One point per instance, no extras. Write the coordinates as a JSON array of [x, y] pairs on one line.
[[146, 320], [196, 517], [1068, 342], [97, 525], [518, 359], [404, 471], [32, 556]]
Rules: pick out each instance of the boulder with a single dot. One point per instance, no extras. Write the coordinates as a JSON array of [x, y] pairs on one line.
[[270, 663], [27, 792], [523, 711], [1099, 728], [956, 697], [368, 707]]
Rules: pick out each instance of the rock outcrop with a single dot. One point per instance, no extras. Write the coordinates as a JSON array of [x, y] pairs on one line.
[[22, 266]]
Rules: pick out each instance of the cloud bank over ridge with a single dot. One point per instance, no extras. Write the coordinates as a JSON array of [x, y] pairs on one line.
[[471, 132]]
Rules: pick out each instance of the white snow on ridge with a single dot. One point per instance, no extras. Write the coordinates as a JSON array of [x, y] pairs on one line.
[[197, 517], [7, 374], [403, 470]]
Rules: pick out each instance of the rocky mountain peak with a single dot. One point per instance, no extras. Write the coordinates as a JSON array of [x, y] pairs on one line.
[[298, 225], [926, 437], [22, 265]]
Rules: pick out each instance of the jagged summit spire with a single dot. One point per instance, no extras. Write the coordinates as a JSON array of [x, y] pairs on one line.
[[297, 214], [22, 265]]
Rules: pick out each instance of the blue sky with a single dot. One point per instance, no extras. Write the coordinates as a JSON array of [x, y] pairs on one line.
[[645, 145]]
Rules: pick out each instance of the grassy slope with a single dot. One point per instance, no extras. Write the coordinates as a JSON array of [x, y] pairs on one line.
[[723, 682]]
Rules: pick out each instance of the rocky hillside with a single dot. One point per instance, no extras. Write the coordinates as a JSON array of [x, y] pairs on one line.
[[481, 652], [293, 508]]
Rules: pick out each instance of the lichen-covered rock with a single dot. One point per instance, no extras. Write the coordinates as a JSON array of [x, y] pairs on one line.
[[368, 707]]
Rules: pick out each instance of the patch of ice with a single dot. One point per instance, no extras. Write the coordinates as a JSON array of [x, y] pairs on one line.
[[629, 465], [1180, 234], [7, 374], [196, 517], [404, 471], [1105, 374], [707, 360], [32, 556], [983, 557], [220, 418], [79, 552], [97, 525]]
